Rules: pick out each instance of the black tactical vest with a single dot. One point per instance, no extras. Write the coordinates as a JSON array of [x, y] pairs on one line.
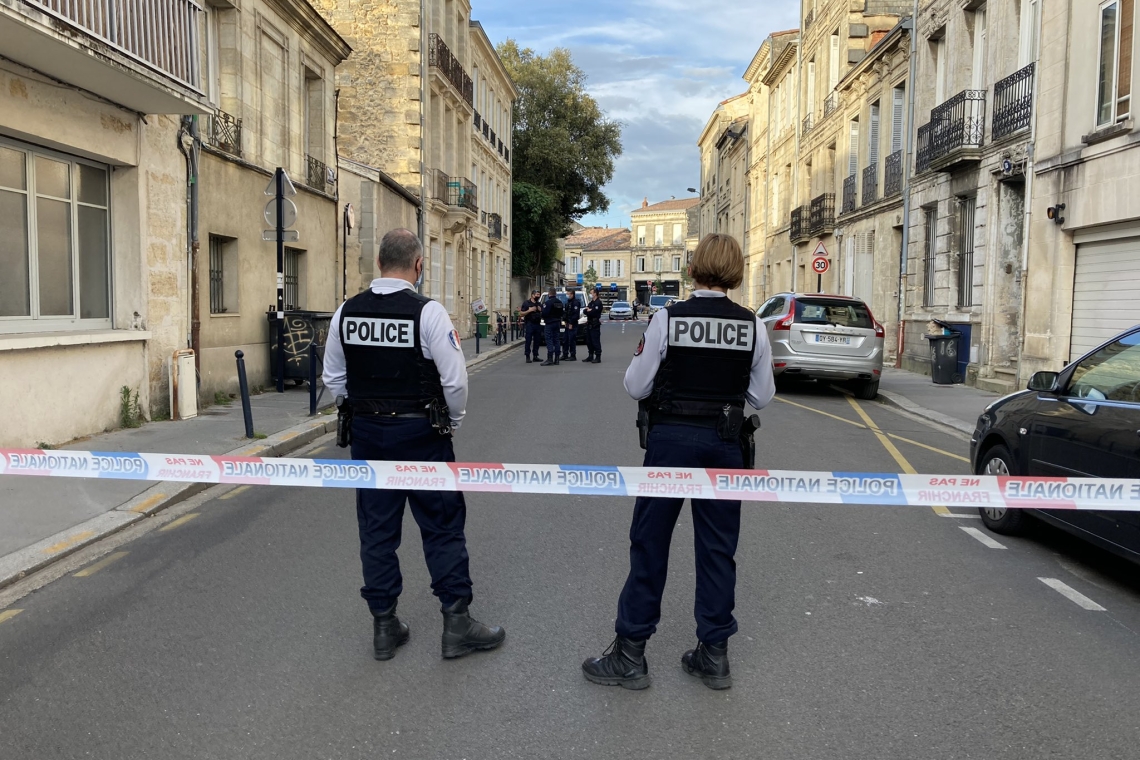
[[386, 368], [709, 359]]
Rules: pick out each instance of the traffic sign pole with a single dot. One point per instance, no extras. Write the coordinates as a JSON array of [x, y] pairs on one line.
[[279, 181]]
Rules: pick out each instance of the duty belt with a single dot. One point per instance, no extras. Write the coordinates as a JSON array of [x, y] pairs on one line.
[[683, 419]]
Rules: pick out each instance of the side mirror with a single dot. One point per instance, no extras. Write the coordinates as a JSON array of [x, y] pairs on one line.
[[1047, 382]]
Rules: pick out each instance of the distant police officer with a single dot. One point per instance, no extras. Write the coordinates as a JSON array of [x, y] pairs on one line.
[[552, 312], [395, 354], [698, 362], [570, 317], [594, 329], [531, 312]]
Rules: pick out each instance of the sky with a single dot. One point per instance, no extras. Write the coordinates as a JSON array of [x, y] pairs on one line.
[[659, 67]]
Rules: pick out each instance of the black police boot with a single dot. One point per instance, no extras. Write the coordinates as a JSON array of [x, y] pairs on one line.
[[598, 359], [709, 662], [463, 634], [528, 359], [622, 664], [547, 363], [388, 632]]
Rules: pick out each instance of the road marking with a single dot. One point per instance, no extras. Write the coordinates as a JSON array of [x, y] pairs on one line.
[[825, 414], [890, 447], [179, 522], [935, 449], [989, 542], [242, 489], [961, 517], [153, 501], [67, 543], [96, 567], [9, 614], [1072, 594]]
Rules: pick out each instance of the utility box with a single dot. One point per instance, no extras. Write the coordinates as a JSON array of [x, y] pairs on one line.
[[183, 382]]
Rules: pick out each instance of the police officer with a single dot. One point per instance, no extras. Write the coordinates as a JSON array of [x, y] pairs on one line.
[[396, 356], [532, 318], [552, 312], [570, 320], [697, 364], [594, 328]]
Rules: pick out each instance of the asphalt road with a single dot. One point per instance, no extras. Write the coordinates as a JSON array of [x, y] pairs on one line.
[[236, 631]]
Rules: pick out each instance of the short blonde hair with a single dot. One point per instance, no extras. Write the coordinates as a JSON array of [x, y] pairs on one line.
[[718, 262]]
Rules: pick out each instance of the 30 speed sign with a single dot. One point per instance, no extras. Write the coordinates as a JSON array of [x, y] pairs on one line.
[[819, 264]]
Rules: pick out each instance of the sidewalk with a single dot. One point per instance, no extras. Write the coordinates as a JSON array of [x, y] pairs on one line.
[[954, 406], [43, 519]]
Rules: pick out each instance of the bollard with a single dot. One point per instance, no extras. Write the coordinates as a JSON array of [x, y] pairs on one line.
[[312, 378], [243, 387], [476, 340]]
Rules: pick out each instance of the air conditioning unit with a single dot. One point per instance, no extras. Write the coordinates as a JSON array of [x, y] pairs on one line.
[[183, 383]]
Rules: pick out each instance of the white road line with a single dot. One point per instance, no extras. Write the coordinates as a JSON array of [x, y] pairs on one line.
[[989, 542], [960, 517], [1072, 594]]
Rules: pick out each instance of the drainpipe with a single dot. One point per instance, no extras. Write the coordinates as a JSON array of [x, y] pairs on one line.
[[911, 25], [338, 223], [421, 222], [190, 145], [796, 129]]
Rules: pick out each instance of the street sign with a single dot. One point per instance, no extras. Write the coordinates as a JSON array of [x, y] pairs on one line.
[[819, 265], [613, 287], [581, 277], [288, 213], [820, 250], [288, 236], [288, 189]]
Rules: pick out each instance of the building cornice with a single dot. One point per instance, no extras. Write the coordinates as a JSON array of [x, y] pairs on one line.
[[780, 65], [312, 27], [758, 61], [875, 54]]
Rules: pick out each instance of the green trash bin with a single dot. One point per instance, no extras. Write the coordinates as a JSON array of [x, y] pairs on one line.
[[483, 324]]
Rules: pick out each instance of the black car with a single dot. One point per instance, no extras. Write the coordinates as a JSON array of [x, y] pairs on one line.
[[1081, 422]]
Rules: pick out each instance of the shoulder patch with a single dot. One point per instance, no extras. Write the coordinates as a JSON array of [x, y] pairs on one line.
[[453, 336], [640, 346]]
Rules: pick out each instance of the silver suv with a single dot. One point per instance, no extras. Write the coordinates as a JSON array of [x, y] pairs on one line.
[[825, 337]]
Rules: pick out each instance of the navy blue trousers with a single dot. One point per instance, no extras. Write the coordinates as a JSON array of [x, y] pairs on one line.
[[570, 341], [594, 340], [553, 342], [441, 515], [716, 528], [534, 339]]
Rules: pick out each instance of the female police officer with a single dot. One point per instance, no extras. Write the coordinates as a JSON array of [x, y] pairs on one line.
[[697, 364]]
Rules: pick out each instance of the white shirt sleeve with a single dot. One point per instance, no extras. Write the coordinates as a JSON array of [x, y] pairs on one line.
[[335, 371], [761, 384], [435, 329], [643, 369]]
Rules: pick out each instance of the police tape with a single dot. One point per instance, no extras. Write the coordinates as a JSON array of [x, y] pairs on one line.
[[589, 480]]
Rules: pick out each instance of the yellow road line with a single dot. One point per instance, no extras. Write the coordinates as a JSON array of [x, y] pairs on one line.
[[929, 448], [9, 614], [890, 447], [820, 411], [179, 522], [235, 492], [94, 568], [69, 542], [153, 501]]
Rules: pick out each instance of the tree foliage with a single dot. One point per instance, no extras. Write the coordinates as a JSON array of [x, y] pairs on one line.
[[564, 150], [590, 278]]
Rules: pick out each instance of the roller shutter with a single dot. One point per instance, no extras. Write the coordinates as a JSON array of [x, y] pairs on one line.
[[1106, 292]]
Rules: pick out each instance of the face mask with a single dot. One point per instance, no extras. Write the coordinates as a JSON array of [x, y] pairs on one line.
[[420, 279]]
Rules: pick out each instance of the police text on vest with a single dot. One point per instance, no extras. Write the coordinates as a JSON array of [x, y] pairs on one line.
[[711, 332], [371, 331]]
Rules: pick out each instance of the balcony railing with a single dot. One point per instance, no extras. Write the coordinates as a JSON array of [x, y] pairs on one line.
[[316, 173], [1013, 102], [439, 186], [224, 133], [807, 125], [892, 177], [956, 125], [850, 188], [162, 34], [822, 218], [870, 184], [478, 121], [440, 57], [507, 155], [924, 150], [797, 231], [463, 194], [831, 103], [494, 226], [486, 130]]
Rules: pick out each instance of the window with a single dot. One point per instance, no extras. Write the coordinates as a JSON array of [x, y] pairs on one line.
[[483, 274], [853, 153], [928, 256], [54, 241], [833, 62], [606, 270], [873, 135], [436, 255], [641, 263], [978, 72], [966, 255], [641, 235], [822, 311], [678, 236], [810, 106], [223, 275], [656, 263], [1027, 45], [315, 118], [659, 235], [1114, 68], [292, 279], [1110, 374], [575, 264], [676, 263], [772, 308], [898, 101], [449, 278], [620, 264]]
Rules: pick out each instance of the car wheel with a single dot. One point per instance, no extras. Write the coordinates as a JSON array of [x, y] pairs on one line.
[[1011, 522], [867, 389]]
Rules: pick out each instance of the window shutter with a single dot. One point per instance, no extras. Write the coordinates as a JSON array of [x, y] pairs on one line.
[[810, 109], [897, 120], [873, 136], [853, 155], [833, 62]]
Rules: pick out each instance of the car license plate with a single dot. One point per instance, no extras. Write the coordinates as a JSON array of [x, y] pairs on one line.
[[839, 339]]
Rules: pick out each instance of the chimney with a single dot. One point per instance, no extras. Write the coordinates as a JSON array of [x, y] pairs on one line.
[[645, 202]]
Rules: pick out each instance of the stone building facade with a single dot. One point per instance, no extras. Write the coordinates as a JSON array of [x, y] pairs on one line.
[[773, 74], [607, 251], [725, 146], [658, 248]]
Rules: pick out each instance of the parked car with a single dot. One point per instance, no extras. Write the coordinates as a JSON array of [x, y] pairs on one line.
[[1081, 422], [621, 310], [657, 303], [824, 337], [580, 334]]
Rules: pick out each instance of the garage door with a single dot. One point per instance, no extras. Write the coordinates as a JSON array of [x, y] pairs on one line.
[[1106, 292]]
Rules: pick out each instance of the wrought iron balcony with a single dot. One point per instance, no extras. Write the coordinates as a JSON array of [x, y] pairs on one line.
[[439, 186], [316, 173], [892, 178], [494, 227], [507, 155], [224, 133], [797, 232], [924, 150], [822, 217], [807, 125], [831, 104], [1013, 103], [441, 58], [957, 130], [850, 188], [462, 193], [491, 139], [478, 121], [486, 130], [870, 184]]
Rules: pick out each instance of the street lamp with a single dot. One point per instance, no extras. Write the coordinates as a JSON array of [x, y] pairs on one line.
[[692, 190]]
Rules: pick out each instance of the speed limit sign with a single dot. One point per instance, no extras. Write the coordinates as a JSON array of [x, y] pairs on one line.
[[819, 264]]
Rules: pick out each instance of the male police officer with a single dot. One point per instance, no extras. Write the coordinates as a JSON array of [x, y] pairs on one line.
[[594, 328], [697, 364], [552, 315], [532, 317], [570, 320], [397, 357]]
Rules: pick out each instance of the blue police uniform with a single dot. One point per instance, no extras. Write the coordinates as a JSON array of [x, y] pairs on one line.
[[532, 322], [552, 312], [570, 335], [594, 330]]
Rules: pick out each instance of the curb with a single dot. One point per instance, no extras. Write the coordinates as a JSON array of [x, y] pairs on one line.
[[890, 398], [21, 563]]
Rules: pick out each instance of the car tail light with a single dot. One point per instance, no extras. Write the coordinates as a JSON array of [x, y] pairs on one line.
[[785, 323], [879, 331]]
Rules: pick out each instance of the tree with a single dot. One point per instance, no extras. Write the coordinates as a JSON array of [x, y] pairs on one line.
[[590, 278], [564, 151]]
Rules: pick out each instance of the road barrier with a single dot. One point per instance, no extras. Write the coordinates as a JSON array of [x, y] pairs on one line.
[[589, 480]]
